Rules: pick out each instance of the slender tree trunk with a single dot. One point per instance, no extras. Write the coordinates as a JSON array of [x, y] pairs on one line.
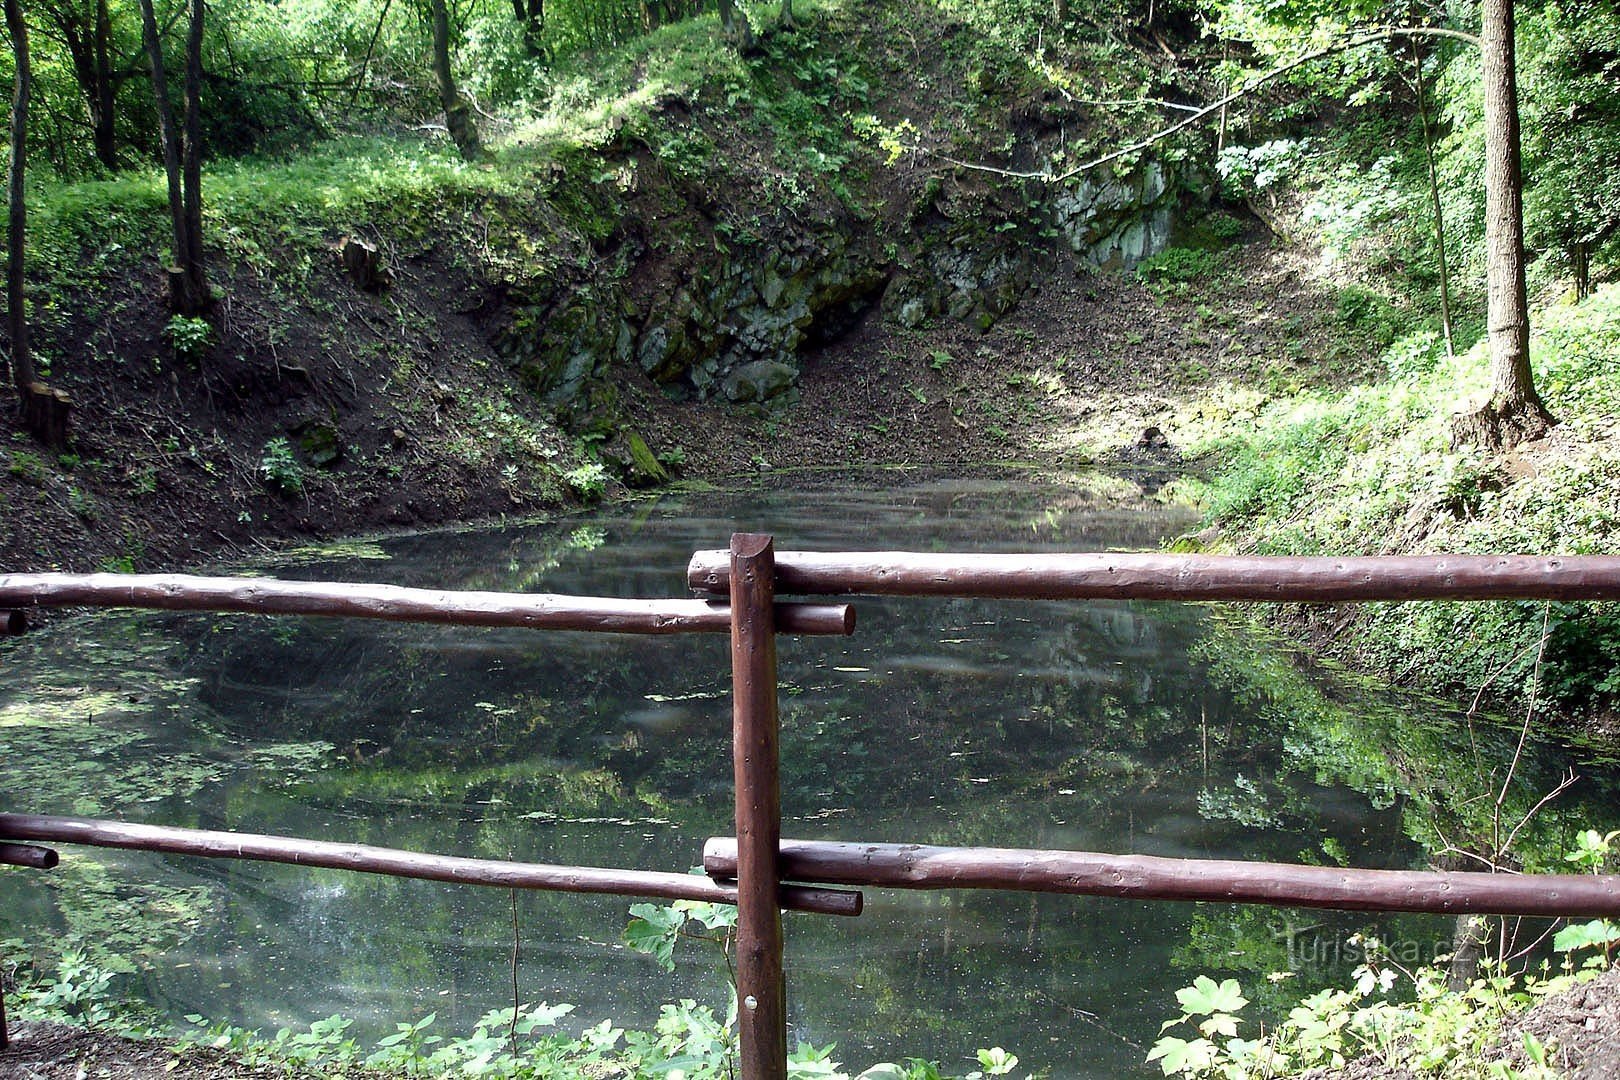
[[22, 361], [786, 21], [1434, 201], [1580, 265], [91, 54], [458, 114], [531, 17], [191, 167], [734, 24], [181, 297], [1515, 411], [104, 133], [44, 411]]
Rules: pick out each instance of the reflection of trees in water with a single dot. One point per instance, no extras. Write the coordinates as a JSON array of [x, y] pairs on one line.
[[1416, 757], [1116, 727]]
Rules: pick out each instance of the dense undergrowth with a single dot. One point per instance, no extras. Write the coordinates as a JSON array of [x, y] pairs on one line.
[[1373, 471], [518, 1041]]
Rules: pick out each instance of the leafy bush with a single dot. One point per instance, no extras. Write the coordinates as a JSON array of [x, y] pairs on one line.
[[1175, 268], [188, 337], [1246, 171], [1368, 315], [588, 481], [279, 467], [523, 1042]]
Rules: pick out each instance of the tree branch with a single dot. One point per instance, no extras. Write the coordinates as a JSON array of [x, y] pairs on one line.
[[1345, 45]]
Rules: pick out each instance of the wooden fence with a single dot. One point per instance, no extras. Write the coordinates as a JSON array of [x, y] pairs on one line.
[[757, 869]]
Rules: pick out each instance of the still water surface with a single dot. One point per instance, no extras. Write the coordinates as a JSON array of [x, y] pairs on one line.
[[1160, 729]]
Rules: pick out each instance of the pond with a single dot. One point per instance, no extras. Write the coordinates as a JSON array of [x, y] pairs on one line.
[[1159, 729]]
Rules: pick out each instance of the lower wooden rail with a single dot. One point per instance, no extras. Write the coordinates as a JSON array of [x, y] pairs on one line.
[[35, 858], [393, 862], [1149, 877]]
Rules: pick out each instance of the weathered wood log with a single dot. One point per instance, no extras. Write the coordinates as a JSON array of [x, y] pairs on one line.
[[267, 596], [363, 263], [29, 855], [46, 414], [392, 862], [1149, 877], [756, 765], [1151, 576]]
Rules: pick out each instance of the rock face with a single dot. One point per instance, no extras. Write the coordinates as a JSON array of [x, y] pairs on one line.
[[733, 324], [1116, 223]]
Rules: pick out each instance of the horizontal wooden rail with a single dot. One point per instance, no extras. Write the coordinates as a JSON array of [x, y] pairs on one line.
[[1148, 877], [35, 858], [1181, 577], [366, 859], [267, 596]]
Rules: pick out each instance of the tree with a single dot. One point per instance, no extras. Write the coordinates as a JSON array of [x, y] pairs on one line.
[[22, 361], [1515, 411], [182, 160], [44, 411], [458, 113], [734, 24], [531, 16], [87, 34]]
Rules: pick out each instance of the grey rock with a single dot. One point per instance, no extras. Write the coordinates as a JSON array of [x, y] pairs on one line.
[[761, 380]]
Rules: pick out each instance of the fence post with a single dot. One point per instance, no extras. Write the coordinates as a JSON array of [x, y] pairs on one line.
[[761, 987]]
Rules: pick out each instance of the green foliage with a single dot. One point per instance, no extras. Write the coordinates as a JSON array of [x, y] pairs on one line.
[[1429, 1029], [1247, 171], [1368, 315], [522, 1043], [1372, 470], [28, 467], [72, 989], [1174, 269], [188, 337], [279, 467], [588, 481]]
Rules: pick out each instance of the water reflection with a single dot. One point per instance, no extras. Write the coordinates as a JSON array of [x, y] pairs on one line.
[[1136, 728]]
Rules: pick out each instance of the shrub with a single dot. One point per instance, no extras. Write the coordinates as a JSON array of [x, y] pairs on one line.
[[279, 467]]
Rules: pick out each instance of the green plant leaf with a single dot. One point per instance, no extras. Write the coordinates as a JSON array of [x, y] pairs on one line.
[[1206, 996], [1588, 935]]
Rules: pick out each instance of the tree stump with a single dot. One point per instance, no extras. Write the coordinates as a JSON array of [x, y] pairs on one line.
[[45, 414], [363, 263], [184, 297]]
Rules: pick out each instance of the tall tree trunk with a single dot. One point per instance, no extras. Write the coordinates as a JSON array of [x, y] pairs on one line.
[[22, 360], [191, 167], [458, 114], [104, 89], [1434, 202], [90, 51], [531, 17], [1515, 411], [44, 411], [786, 21], [734, 24], [181, 297]]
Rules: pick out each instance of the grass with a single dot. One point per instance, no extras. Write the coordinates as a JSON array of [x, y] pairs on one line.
[[1372, 471]]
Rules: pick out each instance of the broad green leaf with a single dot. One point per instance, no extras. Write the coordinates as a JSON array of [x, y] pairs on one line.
[[1206, 996], [1586, 935]]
